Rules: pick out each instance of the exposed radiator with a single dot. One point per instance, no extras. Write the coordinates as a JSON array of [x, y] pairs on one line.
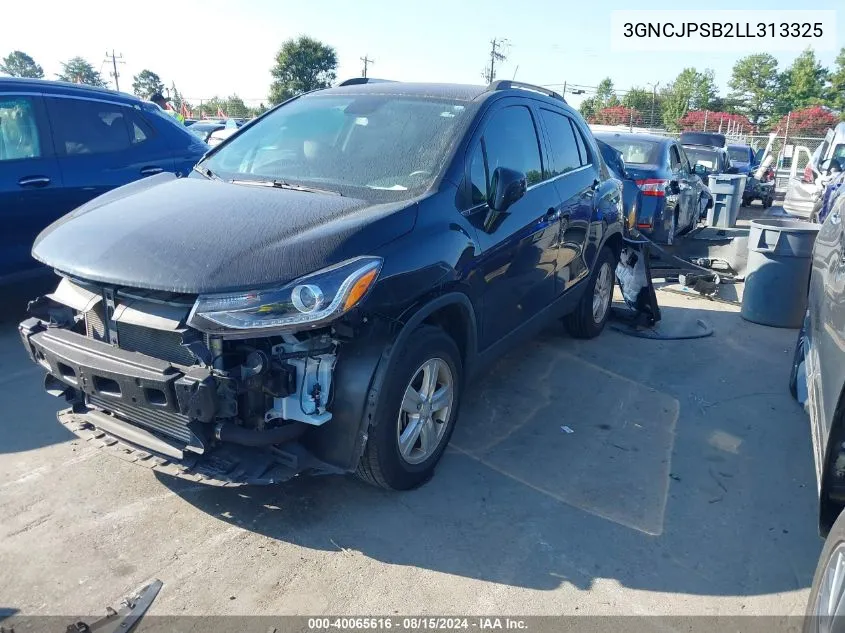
[[163, 344], [157, 343], [172, 424]]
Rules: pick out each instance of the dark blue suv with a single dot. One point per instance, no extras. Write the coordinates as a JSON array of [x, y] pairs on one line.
[[316, 294], [63, 144]]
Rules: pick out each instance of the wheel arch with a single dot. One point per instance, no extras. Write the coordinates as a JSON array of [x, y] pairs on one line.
[[829, 509]]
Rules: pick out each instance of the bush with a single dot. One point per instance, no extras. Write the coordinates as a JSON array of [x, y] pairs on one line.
[[617, 115], [695, 120], [812, 121]]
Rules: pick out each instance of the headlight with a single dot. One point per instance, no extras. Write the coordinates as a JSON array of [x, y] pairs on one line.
[[308, 301]]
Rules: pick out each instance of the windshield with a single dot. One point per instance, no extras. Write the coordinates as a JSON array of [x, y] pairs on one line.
[[739, 154], [358, 145], [635, 151], [708, 158]]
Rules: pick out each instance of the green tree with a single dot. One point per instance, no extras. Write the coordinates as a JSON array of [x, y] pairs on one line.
[[235, 107], [754, 84], [637, 99], [836, 92], [146, 83], [302, 64], [704, 91], [79, 71], [19, 64], [802, 84], [678, 96], [258, 111], [588, 108], [606, 95]]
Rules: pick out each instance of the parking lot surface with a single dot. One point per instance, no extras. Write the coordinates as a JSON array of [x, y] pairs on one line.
[[618, 475]]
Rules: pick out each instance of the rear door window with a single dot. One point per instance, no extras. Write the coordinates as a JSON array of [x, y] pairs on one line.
[[19, 137], [84, 126], [564, 154]]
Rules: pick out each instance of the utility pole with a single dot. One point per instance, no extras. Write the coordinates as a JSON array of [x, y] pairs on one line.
[[653, 97], [367, 61], [115, 60], [496, 55]]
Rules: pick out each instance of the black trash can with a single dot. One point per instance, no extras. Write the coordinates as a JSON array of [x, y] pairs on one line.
[[778, 275]]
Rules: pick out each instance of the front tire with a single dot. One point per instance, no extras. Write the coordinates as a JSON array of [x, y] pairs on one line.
[[415, 413], [826, 593], [589, 317]]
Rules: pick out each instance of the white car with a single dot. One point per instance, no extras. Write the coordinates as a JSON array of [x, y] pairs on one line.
[[803, 195], [218, 136]]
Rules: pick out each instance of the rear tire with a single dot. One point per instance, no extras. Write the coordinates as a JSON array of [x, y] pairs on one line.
[[589, 317], [824, 581], [427, 364]]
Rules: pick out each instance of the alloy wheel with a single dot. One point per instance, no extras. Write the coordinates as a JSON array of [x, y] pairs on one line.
[[424, 412], [601, 292]]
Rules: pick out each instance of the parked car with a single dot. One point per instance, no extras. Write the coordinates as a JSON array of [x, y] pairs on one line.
[[674, 197], [805, 191], [743, 157], [316, 294], [818, 380], [204, 129], [63, 144], [744, 160], [711, 160], [631, 194], [830, 182], [229, 128]]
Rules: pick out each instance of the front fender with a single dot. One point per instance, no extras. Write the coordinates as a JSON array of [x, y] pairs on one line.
[[362, 368]]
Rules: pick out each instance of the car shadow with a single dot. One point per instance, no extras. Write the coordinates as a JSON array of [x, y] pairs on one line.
[[28, 416], [676, 466]]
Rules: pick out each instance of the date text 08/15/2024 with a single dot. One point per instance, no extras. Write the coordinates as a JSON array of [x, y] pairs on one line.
[[416, 624]]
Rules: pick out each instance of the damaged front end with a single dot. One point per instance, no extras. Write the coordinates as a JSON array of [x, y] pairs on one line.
[[218, 388]]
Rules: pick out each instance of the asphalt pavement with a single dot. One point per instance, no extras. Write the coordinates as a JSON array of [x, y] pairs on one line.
[[618, 475]]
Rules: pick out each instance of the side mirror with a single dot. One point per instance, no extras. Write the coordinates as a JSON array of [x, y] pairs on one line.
[[674, 187], [506, 187], [699, 170]]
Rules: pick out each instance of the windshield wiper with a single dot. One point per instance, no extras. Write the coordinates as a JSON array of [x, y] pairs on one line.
[[281, 184], [205, 171]]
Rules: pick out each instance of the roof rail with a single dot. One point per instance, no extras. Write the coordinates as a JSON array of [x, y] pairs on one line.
[[509, 84], [355, 81]]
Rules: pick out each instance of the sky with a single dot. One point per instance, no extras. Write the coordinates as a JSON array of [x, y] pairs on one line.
[[217, 47]]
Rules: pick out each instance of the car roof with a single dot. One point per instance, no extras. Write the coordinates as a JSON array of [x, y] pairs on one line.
[[457, 92], [48, 86], [630, 136]]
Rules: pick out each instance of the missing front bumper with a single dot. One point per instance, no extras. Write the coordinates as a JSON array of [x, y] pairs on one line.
[[227, 465]]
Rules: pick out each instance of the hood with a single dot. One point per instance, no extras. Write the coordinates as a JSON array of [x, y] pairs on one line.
[[195, 235]]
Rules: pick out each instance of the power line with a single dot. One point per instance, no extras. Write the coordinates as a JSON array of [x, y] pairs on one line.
[[115, 60], [367, 61]]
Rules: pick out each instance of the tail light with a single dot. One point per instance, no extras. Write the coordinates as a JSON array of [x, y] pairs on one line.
[[809, 175], [653, 186]]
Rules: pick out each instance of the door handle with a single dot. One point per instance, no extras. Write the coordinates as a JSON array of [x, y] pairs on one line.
[[34, 181], [149, 171]]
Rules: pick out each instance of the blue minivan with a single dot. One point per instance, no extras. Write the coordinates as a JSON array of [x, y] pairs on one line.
[[62, 144]]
